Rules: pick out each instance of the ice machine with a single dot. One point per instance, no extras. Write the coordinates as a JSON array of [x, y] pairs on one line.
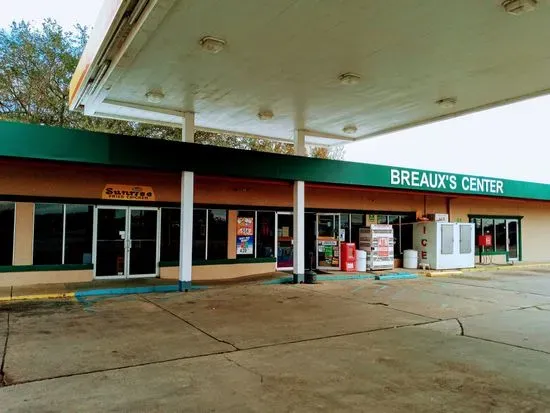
[[445, 245]]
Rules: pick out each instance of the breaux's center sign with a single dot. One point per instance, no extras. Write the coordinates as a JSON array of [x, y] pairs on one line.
[[408, 178]]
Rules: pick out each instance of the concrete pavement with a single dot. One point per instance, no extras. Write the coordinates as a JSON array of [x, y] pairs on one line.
[[427, 345]]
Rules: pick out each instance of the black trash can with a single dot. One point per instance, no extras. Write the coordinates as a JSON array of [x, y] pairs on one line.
[[310, 277]]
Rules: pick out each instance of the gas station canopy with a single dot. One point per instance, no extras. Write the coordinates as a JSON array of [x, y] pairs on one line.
[[340, 70]]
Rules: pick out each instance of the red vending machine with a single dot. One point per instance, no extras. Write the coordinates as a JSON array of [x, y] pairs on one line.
[[347, 257]]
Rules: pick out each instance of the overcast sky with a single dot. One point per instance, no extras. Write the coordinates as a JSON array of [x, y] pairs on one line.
[[508, 142]]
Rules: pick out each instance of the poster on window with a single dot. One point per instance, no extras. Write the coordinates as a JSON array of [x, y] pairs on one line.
[[245, 226], [245, 235], [245, 245]]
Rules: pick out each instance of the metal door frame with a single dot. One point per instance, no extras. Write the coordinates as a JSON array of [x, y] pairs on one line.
[[337, 237], [508, 221], [127, 242]]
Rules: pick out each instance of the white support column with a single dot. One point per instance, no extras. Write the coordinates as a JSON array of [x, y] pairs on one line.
[[188, 127], [300, 143], [298, 232], [186, 211], [298, 215]]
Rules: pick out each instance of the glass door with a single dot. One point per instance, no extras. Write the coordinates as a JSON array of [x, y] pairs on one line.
[[126, 242], [111, 245], [328, 241], [512, 232], [142, 242], [284, 240]]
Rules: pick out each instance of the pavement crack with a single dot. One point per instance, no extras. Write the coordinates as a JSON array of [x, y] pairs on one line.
[[189, 323], [236, 363], [461, 326], [358, 300], [3, 381], [353, 333], [127, 367], [218, 353], [507, 344], [541, 309]]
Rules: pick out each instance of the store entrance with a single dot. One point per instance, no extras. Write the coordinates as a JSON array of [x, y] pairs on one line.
[[126, 242], [328, 241]]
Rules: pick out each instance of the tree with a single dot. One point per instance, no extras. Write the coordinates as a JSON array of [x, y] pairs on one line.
[[36, 66]]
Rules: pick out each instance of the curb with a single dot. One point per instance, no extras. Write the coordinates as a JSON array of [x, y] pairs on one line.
[[403, 276], [52, 296], [321, 278], [100, 292], [506, 267], [442, 273]]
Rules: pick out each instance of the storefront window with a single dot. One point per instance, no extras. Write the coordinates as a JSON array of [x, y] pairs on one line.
[[79, 222], [246, 233], [500, 235], [265, 234], [285, 248], [344, 226], [209, 232], [395, 222], [7, 220], [62, 234], [170, 234], [477, 222], [357, 221], [48, 234], [488, 225], [217, 234], [199, 234]]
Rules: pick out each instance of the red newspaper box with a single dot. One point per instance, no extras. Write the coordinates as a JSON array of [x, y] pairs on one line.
[[347, 256]]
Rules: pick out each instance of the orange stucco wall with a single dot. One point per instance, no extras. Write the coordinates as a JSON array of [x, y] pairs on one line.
[[42, 179]]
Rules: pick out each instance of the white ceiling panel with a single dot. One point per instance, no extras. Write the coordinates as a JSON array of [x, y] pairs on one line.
[[286, 56]]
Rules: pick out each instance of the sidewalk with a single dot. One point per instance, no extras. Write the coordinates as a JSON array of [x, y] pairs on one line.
[[151, 285], [97, 287], [485, 268]]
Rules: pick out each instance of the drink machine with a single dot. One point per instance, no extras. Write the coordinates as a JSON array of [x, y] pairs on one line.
[[347, 256]]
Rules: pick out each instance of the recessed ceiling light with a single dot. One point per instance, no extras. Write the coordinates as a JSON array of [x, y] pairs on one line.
[[349, 78], [517, 7], [154, 96], [265, 115], [446, 103], [350, 129], [212, 44]]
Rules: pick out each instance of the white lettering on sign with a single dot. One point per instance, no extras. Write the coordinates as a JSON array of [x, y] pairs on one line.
[[442, 181]]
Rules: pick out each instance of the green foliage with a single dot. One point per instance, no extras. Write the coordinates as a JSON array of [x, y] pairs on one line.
[[36, 66]]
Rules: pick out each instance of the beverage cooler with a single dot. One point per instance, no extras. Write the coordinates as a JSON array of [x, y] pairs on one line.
[[377, 240], [444, 246]]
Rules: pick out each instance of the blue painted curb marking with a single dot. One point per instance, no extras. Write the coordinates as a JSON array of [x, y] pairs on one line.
[[132, 290], [396, 277], [335, 277], [286, 280]]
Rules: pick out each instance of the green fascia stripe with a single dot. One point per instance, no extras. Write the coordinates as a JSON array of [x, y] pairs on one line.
[[486, 216], [38, 142], [33, 268], [163, 264]]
